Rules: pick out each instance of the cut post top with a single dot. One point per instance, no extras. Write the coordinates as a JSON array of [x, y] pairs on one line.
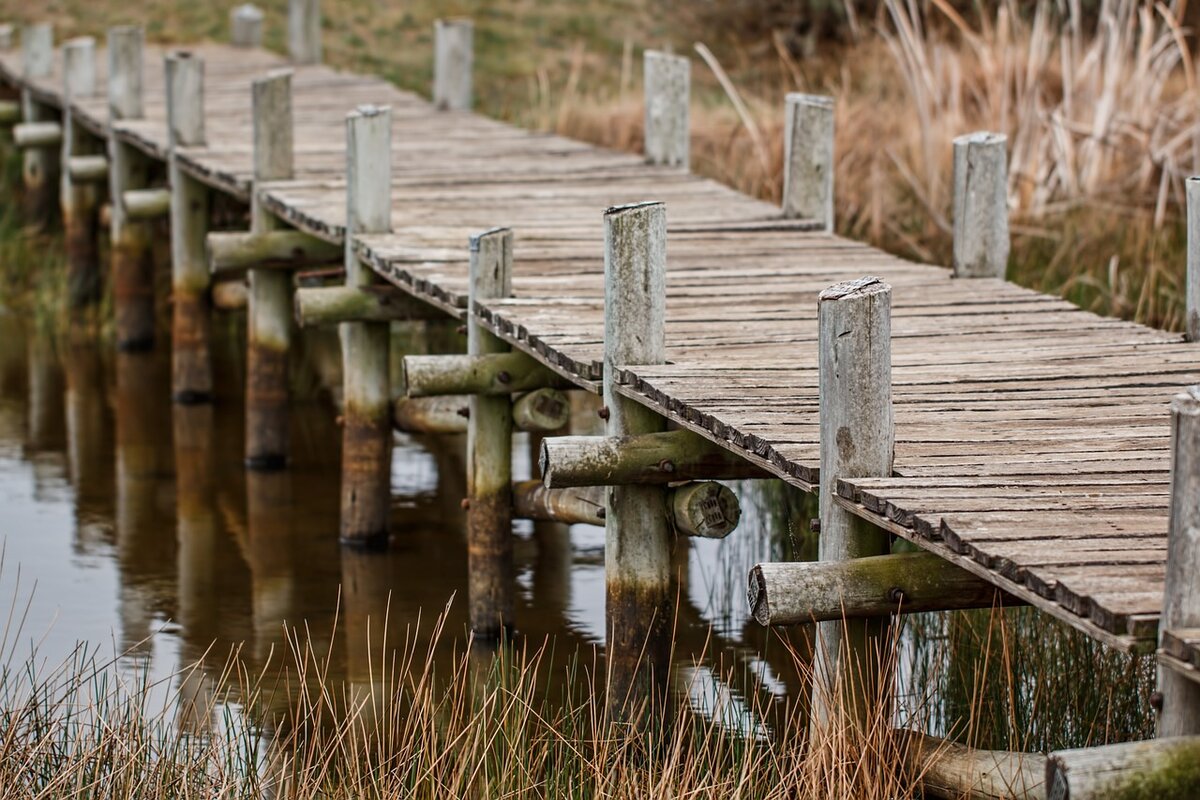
[[125, 44], [859, 287], [79, 67], [814, 100], [37, 49]]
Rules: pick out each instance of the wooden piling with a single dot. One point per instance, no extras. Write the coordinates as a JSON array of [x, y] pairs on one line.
[[857, 436], [132, 256], [1192, 289], [453, 63], [270, 310], [191, 369], [1180, 712], [6, 36], [304, 31], [981, 241], [639, 610], [367, 426], [808, 164], [245, 26], [40, 165], [79, 200], [667, 81], [489, 454]]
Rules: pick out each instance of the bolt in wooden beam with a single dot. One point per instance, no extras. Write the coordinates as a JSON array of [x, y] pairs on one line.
[[40, 164], [304, 31], [367, 429], [637, 546], [1192, 289], [857, 434], [492, 374], [1168, 769], [190, 201], [1180, 714], [270, 301], [453, 63], [981, 241], [245, 26], [79, 200], [667, 81], [808, 164]]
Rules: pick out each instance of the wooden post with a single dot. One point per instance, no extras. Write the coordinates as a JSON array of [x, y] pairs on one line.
[[981, 241], [132, 257], [40, 165], [489, 454], [191, 370], [1180, 714], [808, 164], [79, 200], [6, 36], [304, 31], [367, 429], [1192, 327], [857, 441], [453, 62], [668, 93], [245, 26], [639, 612], [270, 313]]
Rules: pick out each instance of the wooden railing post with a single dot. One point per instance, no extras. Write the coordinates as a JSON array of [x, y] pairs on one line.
[[981, 241], [40, 165], [270, 305], [79, 199], [489, 454], [667, 80], [808, 163], [367, 429], [1192, 291], [453, 64], [304, 31], [1180, 712], [857, 440], [639, 612], [245, 26], [191, 370], [132, 257]]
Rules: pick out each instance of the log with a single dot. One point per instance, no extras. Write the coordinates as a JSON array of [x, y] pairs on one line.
[[1160, 769], [444, 414], [491, 374], [652, 458], [981, 241], [304, 31], [145, 204], [705, 509], [667, 80], [800, 592], [808, 162], [30, 135], [88, 169], [689, 506], [952, 771], [584, 505], [541, 411], [453, 63], [331, 305], [270, 249]]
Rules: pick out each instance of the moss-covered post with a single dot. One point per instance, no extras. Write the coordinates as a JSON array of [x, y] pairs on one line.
[[981, 241], [367, 427], [191, 370], [270, 310], [453, 63], [639, 612], [132, 256], [668, 94], [304, 31], [79, 199], [857, 441], [40, 165], [245, 26], [489, 453], [808, 159]]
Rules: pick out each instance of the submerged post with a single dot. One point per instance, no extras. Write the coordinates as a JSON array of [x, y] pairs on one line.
[[453, 63], [245, 26], [489, 453], [857, 441], [637, 535], [304, 31], [808, 159], [981, 242], [1180, 714], [191, 371], [40, 165], [667, 81], [367, 430], [1192, 323], [79, 199]]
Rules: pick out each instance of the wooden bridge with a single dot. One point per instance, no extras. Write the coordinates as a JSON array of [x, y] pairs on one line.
[[1032, 439]]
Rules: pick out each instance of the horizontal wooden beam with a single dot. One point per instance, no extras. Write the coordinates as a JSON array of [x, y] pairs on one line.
[[330, 305], [532, 500], [799, 592], [492, 374], [10, 112], [147, 203], [543, 410], [647, 458], [37, 134], [949, 770], [1163, 769], [288, 250], [539, 411], [88, 169]]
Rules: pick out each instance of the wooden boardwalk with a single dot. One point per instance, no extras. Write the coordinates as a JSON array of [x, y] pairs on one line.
[[1032, 438]]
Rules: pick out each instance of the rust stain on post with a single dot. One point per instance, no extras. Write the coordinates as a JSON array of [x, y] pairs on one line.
[[266, 406], [133, 290], [191, 375]]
